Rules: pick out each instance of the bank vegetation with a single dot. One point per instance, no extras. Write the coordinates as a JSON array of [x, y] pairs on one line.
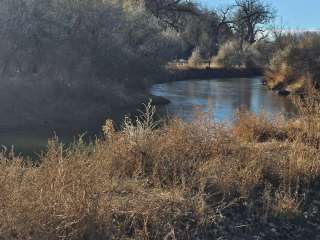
[[171, 180], [295, 64]]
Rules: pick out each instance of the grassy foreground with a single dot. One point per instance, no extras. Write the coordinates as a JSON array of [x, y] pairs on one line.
[[199, 180]]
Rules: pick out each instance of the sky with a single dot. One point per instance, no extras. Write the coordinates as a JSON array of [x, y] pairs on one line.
[[292, 14]]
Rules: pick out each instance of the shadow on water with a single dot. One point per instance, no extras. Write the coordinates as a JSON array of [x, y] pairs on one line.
[[32, 140]]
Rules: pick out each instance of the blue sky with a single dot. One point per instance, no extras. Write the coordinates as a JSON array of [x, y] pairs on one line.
[[295, 14]]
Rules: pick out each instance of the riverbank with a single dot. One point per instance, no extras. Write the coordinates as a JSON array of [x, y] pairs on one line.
[[197, 180], [210, 73]]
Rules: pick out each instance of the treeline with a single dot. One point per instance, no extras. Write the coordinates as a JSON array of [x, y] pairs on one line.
[[61, 57], [243, 35], [236, 29], [74, 43]]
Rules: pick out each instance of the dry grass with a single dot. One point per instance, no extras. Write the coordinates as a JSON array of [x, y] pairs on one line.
[[294, 66], [258, 128], [174, 181], [286, 205]]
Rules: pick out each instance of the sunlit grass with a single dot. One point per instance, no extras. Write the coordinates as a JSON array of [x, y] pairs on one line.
[[151, 180]]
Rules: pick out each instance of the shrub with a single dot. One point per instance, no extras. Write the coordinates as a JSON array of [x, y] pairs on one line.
[[232, 55], [251, 127], [195, 58], [294, 66]]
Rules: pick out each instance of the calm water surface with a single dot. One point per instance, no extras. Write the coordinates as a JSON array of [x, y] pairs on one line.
[[221, 97], [30, 141]]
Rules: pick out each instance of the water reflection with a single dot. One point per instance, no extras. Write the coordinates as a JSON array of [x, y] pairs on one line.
[[221, 97]]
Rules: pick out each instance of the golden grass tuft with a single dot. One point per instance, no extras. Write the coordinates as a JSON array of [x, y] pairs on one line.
[[286, 206], [258, 128]]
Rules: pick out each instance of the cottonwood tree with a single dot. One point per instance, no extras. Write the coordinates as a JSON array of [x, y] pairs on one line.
[[250, 18], [198, 28]]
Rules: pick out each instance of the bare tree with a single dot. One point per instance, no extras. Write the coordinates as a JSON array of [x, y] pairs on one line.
[[219, 25], [250, 18], [279, 35]]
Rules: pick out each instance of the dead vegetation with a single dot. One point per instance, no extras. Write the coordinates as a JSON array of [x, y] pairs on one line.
[[175, 181], [295, 64]]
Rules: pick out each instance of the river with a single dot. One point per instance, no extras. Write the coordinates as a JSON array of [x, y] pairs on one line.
[[219, 96]]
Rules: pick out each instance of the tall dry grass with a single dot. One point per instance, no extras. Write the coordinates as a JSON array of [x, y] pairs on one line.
[[163, 180]]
